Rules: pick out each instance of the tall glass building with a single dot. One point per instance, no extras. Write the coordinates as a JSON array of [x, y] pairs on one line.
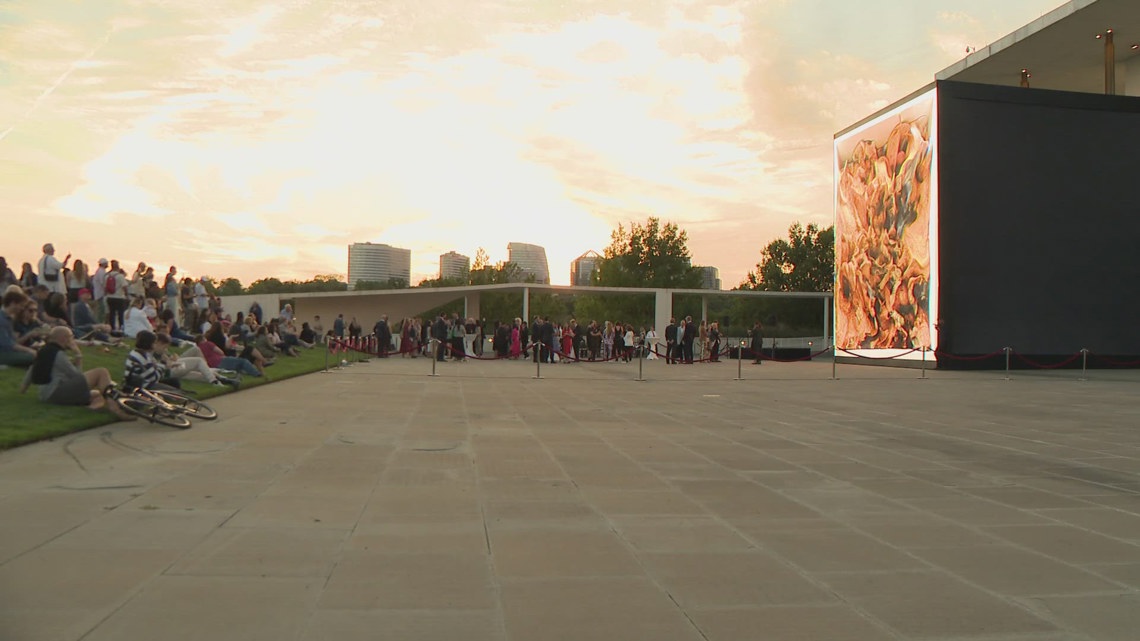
[[583, 267], [378, 263], [454, 265], [531, 259]]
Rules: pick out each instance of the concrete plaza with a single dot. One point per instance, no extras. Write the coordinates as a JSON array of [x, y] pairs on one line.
[[380, 503]]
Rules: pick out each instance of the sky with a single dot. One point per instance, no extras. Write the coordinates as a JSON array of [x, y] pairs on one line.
[[250, 138]]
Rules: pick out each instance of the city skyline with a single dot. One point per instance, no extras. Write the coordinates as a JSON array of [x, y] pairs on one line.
[[250, 139]]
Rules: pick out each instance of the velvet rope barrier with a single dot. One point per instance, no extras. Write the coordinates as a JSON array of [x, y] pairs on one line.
[[1108, 360], [811, 356], [983, 357], [878, 358], [719, 354], [1032, 363]]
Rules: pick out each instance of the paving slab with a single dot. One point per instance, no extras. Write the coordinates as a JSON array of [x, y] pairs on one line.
[[377, 502]]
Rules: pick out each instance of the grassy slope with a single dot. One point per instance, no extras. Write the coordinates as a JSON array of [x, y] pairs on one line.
[[24, 419]]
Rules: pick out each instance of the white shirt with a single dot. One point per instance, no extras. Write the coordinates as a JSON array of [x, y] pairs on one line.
[[99, 283], [135, 322], [200, 295], [50, 265]]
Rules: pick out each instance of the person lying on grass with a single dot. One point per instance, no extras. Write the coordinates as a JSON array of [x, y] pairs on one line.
[[60, 380]]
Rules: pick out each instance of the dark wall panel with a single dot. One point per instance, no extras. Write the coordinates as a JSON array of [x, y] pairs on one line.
[[1039, 221]]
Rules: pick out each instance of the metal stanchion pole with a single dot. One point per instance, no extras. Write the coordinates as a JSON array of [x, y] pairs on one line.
[[739, 361], [640, 361], [924, 362], [1084, 363], [1008, 351], [433, 356], [834, 354], [538, 360]]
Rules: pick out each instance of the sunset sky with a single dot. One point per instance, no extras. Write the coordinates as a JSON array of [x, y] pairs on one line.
[[253, 138]]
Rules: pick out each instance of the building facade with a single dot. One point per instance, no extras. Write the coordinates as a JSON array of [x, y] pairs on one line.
[[378, 263], [583, 267], [531, 259], [454, 265], [710, 277]]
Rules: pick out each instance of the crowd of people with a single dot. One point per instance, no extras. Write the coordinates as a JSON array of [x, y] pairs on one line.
[[50, 309]]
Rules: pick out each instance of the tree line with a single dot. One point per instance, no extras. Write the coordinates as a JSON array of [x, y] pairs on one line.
[[652, 254]]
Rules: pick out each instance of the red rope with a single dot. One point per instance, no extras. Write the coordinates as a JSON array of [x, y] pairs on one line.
[[954, 357], [1112, 361], [1032, 363], [879, 358]]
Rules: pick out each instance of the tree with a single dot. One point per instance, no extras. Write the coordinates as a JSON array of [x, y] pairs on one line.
[[229, 287], [803, 263], [649, 255]]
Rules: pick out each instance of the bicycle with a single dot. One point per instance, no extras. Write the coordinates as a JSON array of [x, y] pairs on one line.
[[165, 407]]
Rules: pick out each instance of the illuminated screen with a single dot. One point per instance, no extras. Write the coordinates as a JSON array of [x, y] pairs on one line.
[[885, 231]]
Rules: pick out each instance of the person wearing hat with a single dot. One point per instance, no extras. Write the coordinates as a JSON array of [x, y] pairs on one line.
[[84, 323], [201, 299]]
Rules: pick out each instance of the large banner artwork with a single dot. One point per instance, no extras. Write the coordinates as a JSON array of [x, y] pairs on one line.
[[885, 226]]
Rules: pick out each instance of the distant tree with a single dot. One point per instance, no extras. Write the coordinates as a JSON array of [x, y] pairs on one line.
[[450, 281], [805, 262], [373, 285], [230, 287], [266, 286], [649, 255]]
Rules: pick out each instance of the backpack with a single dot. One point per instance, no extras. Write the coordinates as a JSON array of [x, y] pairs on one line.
[[110, 285]]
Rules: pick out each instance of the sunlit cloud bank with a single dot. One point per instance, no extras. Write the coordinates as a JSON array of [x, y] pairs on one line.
[[254, 138]]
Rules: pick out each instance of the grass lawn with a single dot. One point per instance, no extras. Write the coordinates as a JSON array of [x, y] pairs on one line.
[[24, 419]]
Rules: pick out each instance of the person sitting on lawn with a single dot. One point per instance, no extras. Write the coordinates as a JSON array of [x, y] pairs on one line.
[[142, 369], [12, 352], [187, 367], [83, 320], [60, 380], [217, 359]]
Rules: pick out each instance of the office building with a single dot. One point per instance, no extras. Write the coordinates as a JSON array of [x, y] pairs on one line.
[[531, 259], [378, 263], [710, 277], [454, 265], [583, 267]]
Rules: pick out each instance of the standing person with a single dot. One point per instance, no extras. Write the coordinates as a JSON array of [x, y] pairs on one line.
[[77, 279], [255, 311], [714, 342], [99, 290], [618, 348], [383, 336], [516, 339], [689, 336], [116, 296], [354, 328], [670, 340], [186, 300], [201, 295], [703, 337], [469, 334], [338, 325], [60, 380], [650, 344], [548, 339], [568, 338], [28, 278], [137, 286], [318, 327], [608, 341], [439, 333], [629, 344], [757, 345], [51, 270], [594, 340], [171, 290]]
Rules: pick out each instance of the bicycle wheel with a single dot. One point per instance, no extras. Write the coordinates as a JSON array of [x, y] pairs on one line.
[[186, 405], [154, 412]]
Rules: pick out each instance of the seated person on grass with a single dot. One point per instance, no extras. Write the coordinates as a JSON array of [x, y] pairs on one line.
[[217, 359], [62, 383], [168, 325], [135, 320], [12, 351], [142, 369], [83, 320], [187, 367]]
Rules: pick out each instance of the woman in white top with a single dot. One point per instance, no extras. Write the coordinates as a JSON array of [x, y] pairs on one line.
[[628, 343], [135, 320], [650, 345]]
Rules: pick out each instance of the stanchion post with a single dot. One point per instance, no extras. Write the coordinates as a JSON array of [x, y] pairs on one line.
[[640, 361], [1008, 351], [538, 360], [1084, 363], [433, 356], [739, 360], [923, 361], [834, 355]]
